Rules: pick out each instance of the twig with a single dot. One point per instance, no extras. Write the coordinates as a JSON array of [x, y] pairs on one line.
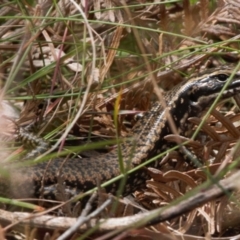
[[83, 218], [197, 197]]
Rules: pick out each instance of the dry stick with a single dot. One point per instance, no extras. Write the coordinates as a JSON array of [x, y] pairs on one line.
[[84, 218], [198, 197]]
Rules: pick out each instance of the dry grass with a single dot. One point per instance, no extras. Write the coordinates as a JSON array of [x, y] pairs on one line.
[[64, 64]]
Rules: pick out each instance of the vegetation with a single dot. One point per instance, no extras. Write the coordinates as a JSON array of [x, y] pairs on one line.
[[80, 71]]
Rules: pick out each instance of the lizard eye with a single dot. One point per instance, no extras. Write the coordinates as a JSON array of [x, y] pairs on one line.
[[222, 77]]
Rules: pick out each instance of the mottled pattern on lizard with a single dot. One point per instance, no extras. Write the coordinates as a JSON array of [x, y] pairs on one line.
[[145, 141]]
